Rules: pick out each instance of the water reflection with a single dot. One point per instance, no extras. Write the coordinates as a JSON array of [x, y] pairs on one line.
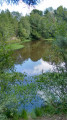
[[33, 68], [35, 58], [33, 50]]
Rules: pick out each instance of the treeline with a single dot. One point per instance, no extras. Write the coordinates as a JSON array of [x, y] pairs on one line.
[[37, 25]]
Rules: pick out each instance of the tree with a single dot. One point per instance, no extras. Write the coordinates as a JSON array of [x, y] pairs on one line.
[[60, 15], [34, 22], [60, 11], [50, 22], [50, 9], [24, 28], [16, 15], [35, 11], [61, 44], [42, 27], [6, 24]]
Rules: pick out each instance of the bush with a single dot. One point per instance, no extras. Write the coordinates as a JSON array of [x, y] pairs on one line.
[[24, 114], [38, 112]]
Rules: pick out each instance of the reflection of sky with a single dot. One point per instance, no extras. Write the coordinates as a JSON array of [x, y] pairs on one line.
[[33, 68], [29, 106]]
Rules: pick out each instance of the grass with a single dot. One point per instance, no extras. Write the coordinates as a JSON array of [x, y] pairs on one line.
[[35, 114], [13, 40], [26, 41], [15, 43], [38, 112], [49, 39], [24, 114], [14, 46], [49, 110]]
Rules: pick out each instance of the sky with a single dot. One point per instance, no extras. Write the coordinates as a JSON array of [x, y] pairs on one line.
[[23, 8]]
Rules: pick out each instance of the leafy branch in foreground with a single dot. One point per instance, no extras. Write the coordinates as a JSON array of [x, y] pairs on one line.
[[54, 87], [61, 44]]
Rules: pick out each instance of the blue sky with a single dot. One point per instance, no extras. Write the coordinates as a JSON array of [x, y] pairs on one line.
[[25, 9]]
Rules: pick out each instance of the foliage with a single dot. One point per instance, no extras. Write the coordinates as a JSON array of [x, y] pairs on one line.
[[14, 46], [54, 86], [35, 26], [13, 93], [24, 115], [4, 56], [24, 28], [61, 47], [14, 89], [38, 112], [35, 21], [11, 85], [8, 25]]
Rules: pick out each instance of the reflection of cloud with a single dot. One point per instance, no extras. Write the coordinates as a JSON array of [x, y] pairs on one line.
[[34, 68], [43, 67], [41, 94]]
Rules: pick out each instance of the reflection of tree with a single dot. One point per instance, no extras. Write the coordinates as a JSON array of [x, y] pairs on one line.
[[33, 50]]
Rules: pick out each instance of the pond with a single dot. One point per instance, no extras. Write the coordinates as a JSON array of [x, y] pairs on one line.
[[34, 59]]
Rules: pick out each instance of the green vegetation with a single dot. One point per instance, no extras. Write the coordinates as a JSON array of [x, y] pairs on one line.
[[36, 26], [54, 87], [13, 40], [26, 41], [52, 26], [24, 115], [14, 46]]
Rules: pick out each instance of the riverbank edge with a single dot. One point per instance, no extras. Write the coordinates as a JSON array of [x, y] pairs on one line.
[[16, 43]]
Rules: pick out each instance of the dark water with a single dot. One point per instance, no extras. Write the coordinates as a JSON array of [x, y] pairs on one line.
[[34, 59]]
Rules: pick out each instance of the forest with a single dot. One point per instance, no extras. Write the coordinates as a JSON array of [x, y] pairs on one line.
[[16, 29], [37, 25]]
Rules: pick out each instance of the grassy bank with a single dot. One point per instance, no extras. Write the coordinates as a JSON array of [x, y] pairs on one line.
[[14, 46], [15, 43], [24, 41], [13, 40], [49, 39], [37, 114]]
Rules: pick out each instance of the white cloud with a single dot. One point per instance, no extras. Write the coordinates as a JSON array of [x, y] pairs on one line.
[[42, 67], [25, 9], [51, 3], [21, 7], [34, 68]]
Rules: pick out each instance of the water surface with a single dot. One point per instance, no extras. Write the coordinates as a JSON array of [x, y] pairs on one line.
[[34, 59]]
